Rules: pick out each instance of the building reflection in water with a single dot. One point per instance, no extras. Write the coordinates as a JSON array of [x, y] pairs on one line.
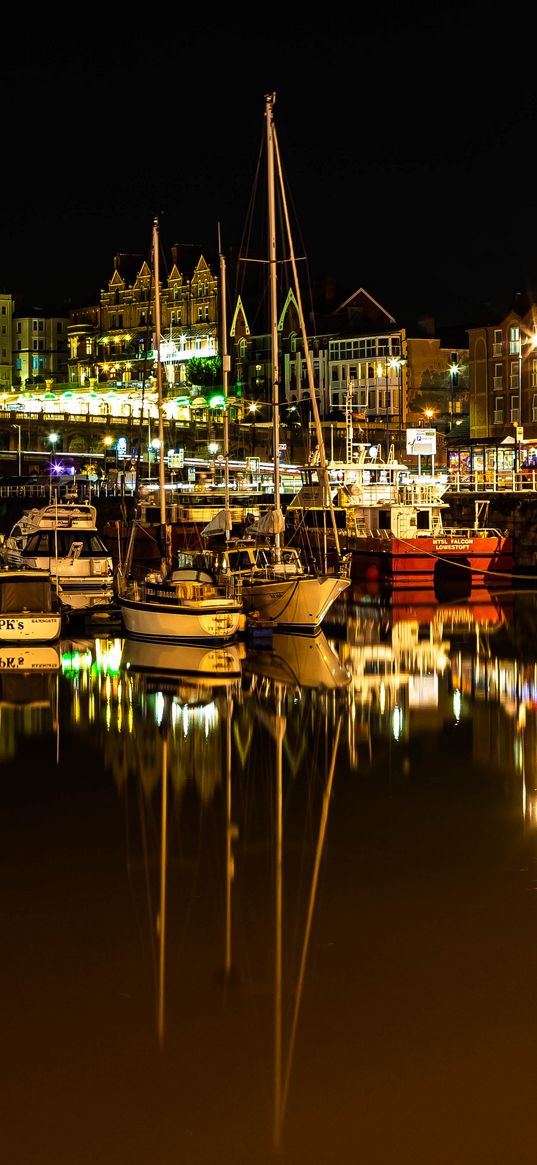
[[226, 769]]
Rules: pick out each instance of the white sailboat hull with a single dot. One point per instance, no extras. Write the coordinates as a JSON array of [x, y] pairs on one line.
[[298, 603], [207, 621]]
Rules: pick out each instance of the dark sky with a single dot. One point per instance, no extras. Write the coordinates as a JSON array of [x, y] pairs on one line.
[[407, 140]]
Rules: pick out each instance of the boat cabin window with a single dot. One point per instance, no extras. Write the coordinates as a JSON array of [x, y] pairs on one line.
[[38, 544], [384, 520], [44, 542], [423, 520], [289, 556], [237, 560]]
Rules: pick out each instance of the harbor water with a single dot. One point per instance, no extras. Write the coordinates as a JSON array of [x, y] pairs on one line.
[[276, 903]]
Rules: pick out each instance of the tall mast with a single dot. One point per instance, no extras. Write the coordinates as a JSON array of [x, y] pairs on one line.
[[323, 468], [161, 477], [225, 385], [269, 104]]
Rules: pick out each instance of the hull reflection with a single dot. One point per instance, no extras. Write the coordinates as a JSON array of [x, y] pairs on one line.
[[295, 660], [168, 659]]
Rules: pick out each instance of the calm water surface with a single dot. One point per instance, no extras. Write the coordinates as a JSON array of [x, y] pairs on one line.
[[271, 920]]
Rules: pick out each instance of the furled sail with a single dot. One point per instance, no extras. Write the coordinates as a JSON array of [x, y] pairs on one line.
[[219, 524], [272, 522]]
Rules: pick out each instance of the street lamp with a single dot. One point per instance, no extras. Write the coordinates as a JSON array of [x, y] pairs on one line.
[[108, 441], [454, 378], [397, 363], [252, 409], [53, 438]]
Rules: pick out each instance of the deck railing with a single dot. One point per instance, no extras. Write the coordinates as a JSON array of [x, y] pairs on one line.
[[493, 481]]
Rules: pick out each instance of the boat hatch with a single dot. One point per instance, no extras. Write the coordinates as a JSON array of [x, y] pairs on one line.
[[25, 594]]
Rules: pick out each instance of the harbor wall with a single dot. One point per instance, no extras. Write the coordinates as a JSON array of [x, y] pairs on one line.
[[505, 511]]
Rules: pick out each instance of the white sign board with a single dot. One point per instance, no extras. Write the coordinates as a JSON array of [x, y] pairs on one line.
[[421, 442], [176, 458]]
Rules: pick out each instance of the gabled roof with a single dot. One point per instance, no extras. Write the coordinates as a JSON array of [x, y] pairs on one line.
[[239, 311], [202, 267], [359, 302], [357, 313]]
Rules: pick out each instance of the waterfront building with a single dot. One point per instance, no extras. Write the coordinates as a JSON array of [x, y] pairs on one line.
[[112, 344], [6, 342], [503, 371], [438, 378], [39, 348], [353, 343], [103, 391], [503, 387]]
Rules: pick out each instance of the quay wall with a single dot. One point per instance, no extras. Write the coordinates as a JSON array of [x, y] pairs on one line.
[[515, 512]]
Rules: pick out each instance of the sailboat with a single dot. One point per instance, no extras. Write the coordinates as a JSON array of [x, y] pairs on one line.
[[189, 605], [274, 581]]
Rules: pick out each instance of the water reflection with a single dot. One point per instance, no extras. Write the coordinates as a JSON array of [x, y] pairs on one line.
[[303, 875]]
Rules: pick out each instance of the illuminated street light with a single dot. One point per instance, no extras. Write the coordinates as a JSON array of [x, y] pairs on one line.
[[454, 370]]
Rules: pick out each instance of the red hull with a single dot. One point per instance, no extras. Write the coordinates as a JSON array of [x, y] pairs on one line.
[[424, 560]]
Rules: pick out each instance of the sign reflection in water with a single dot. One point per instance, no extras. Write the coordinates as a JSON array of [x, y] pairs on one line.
[[227, 775]]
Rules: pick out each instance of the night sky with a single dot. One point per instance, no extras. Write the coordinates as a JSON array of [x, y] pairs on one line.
[[407, 140]]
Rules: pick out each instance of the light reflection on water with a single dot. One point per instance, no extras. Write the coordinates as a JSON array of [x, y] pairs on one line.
[[284, 909]]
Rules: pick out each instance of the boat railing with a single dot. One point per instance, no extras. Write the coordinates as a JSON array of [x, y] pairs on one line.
[[469, 532], [155, 587]]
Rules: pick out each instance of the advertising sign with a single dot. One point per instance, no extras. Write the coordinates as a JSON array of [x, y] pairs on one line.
[[421, 442], [176, 458]]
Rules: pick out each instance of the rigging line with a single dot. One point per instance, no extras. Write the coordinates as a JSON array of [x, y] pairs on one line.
[[248, 225], [307, 356]]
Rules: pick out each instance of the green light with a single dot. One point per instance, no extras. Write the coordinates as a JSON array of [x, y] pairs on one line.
[[217, 402]]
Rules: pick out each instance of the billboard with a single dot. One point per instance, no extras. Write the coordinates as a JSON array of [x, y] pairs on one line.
[[421, 442]]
